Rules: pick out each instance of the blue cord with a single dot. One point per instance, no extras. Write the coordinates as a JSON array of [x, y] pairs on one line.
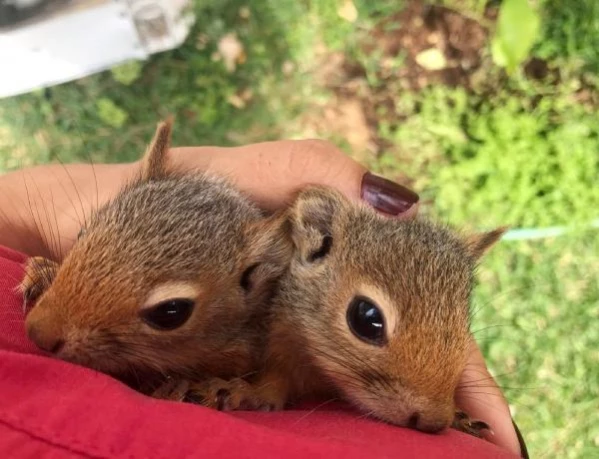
[[523, 234]]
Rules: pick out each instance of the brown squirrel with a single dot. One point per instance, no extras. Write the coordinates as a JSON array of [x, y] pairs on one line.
[[170, 278], [372, 310]]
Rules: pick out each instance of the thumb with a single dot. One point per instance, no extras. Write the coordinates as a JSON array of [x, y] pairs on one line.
[[272, 172], [481, 398]]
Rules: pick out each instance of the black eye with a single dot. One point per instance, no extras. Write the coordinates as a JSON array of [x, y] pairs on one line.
[[325, 248], [169, 314], [366, 321]]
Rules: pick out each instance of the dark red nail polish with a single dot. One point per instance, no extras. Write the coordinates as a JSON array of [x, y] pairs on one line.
[[387, 196]]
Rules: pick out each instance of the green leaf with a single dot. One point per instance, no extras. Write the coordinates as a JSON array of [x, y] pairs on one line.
[[127, 73], [110, 113], [517, 30]]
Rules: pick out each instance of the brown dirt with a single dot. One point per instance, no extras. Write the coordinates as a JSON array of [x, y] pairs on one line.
[[341, 116], [421, 27], [356, 108]]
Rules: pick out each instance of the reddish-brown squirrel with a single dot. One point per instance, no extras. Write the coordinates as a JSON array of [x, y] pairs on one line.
[[169, 278], [372, 310]]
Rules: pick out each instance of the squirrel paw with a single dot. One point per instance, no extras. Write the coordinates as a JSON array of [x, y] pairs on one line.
[[172, 389], [463, 423], [39, 274], [231, 395]]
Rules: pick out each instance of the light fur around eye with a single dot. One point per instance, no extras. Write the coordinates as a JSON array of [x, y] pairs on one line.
[[170, 291]]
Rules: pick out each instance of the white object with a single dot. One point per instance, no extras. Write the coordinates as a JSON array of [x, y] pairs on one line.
[[86, 37]]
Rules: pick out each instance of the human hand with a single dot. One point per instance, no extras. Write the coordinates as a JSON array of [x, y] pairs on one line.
[[480, 397], [44, 208]]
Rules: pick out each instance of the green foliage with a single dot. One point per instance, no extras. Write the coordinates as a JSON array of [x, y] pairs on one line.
[[128, 72], [516, 32], [533, 311], [110, 113], [338, 33], [570, 32], [532, 164]]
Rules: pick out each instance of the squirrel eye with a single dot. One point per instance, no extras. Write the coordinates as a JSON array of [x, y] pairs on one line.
[[81, 233], [169, 314], [366, 321]]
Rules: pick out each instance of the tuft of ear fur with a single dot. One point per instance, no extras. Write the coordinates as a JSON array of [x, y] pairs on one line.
[[270, 240], [154, 159], [479, 244], [270, 252], [311, 216]]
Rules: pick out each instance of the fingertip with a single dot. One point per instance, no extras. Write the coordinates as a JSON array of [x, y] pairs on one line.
[[410, 213], [323, 163], [482, 399], [272, 172], [389, 197]]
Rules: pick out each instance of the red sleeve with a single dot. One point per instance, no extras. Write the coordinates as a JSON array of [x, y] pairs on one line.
[[50, 408]]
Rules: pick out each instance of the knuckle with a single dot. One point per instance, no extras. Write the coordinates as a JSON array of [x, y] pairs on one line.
[[315, 158], [321, 150]]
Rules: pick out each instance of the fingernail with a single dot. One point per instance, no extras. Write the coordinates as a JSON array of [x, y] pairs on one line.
[[523, 449], [387, 196]]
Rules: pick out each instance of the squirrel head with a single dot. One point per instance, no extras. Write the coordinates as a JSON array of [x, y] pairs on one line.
[[164, 278], [383, 305]]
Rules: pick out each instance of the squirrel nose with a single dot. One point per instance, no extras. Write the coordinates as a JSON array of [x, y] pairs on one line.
[[46, 339], [428, 423]]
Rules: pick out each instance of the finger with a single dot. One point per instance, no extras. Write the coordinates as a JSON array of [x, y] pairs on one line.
[[272, 172], [479, 396]]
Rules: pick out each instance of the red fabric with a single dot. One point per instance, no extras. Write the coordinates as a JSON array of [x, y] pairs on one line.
[[50, 408]]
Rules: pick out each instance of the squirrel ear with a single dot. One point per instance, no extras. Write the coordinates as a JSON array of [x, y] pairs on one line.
[[154, 159], [270, 252], [479, 244], [270, 239], [311, 217]]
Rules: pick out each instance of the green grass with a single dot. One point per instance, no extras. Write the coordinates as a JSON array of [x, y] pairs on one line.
[[572, 33], [532, 164], [535, 311], [513, 151]]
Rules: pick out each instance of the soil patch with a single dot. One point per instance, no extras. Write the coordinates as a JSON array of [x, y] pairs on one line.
[[438, 45], [419, 46]]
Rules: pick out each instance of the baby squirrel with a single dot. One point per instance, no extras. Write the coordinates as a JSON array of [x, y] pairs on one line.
[[372, 310], [170, 278]]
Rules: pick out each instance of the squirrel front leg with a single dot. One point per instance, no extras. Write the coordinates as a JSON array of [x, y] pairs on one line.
[[463, 423], [268, 392], [171, 389]]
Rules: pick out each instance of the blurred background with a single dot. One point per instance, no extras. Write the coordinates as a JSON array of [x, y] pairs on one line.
[[487, 108]]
